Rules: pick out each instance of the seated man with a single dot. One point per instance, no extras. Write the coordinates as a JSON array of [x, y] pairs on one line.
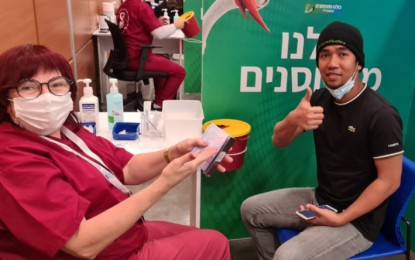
[[139, 24], [358, 141]]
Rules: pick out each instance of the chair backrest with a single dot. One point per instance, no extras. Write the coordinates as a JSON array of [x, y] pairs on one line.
[[119, 55], [398, 203]]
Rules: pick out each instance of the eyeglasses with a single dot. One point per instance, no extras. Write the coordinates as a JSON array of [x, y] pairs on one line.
[[31, 88]]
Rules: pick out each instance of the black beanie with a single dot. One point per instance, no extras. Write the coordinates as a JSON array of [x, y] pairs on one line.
[[338, 33]]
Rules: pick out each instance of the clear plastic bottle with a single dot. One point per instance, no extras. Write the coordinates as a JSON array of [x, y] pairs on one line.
[[166, 15], [115, 104], [89, 107], [176, 15]]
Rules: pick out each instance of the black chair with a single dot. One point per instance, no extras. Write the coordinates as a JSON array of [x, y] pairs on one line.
[[391, 240], [118, 60]]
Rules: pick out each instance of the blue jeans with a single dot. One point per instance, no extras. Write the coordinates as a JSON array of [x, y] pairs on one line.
[[264, 212]]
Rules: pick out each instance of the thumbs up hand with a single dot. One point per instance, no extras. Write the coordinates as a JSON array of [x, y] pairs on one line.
[[306, 116]]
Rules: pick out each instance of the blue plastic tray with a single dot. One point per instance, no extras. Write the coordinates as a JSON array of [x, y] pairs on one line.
[[129, 131]]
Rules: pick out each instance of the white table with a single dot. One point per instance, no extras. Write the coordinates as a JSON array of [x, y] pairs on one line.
[[141, 145], [171, 45], [149, 144]]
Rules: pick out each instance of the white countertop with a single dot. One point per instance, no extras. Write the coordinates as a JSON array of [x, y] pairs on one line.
[[178, 34], [141, 145]]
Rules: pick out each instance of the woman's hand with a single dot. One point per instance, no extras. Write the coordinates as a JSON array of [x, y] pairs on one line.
[[184, 147], [181, 167], [187, 145]]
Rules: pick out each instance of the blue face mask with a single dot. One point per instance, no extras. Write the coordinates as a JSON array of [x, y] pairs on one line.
[[339, 92]]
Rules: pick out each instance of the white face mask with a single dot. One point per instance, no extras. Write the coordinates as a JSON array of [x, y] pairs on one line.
[[43, 115], [339, 92]]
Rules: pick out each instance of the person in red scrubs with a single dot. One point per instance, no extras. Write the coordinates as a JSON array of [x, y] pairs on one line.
[[140, 25], [62, 188]]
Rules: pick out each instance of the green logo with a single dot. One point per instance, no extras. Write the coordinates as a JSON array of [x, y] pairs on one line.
[[323, 8], [309, 8]]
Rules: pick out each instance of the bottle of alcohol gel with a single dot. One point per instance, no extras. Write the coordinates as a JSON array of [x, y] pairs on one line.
[[176, 15], [115, 106], [88, 107], [166, 15]]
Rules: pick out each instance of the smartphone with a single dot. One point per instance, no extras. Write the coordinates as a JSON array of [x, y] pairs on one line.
[[308, 214], [328, 207], [219, 139]]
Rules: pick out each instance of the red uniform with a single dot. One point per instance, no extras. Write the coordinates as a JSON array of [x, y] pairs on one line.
[[46, 191], [137, 20]]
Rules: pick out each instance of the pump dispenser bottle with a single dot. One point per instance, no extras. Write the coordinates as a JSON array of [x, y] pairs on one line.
[[115, 106], [166, 15], [176, 15], [88, 107]]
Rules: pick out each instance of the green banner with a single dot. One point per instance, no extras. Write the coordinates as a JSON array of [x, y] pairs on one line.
[[192, 50], [256, 68]]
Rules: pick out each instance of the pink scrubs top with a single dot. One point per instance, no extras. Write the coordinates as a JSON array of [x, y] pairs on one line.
[[137, 20], [46, 191]]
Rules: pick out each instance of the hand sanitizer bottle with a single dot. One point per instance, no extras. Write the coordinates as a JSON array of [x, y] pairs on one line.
[[166, 15], [115, 105], [88, 107], [176, 15]]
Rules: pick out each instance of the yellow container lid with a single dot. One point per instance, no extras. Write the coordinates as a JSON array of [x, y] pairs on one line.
[[187, 16], [234, 128]]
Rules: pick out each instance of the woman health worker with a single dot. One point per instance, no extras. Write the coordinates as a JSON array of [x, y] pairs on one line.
[[139, 25], [62, 188]]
